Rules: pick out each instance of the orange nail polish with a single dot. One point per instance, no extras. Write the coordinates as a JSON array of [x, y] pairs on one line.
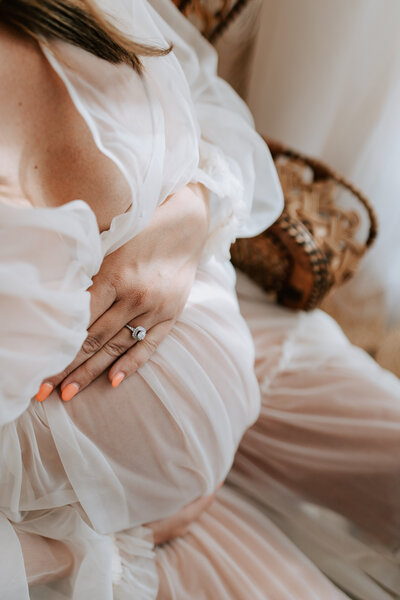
[[44, 392], [117, 379], [69, 391]]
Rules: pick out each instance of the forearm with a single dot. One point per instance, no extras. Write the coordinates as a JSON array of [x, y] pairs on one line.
[[184, 217], [45, 560]]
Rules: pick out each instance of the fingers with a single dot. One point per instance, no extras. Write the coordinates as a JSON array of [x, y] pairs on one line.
[[178, 525], [102, 348], [102, 297], [137, 356], [101, 332], [91, 368]]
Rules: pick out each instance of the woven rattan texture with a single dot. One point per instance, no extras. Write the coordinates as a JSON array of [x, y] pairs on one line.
[[211, 17], [319, 243]]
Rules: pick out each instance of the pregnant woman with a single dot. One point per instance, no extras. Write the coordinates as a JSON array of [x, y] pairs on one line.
[[130, 168]]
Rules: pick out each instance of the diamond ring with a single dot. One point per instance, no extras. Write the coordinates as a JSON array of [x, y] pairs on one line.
[[138, 333]]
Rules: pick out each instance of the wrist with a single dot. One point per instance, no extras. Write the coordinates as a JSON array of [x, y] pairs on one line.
[[184, 216]]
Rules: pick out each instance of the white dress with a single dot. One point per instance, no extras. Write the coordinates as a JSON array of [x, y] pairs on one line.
[[92, 471]]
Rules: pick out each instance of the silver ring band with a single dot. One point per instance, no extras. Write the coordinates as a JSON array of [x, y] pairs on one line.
[[138, 333]]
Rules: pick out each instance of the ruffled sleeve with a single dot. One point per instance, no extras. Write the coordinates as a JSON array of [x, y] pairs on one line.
[[47, 259], [235, 164]]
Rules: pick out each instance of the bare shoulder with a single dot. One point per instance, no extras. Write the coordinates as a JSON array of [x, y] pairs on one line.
[[25, 83], [29, 95], [21, 77], [46, 139]]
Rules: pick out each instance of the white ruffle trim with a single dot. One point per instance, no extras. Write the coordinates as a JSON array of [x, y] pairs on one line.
[[134, 571], [48, 257], [228, 210]]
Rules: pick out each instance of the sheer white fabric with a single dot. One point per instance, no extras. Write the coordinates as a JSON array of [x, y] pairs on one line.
[[60, 477], [93, 471], [44, 302], [245, 188], [322, 456]]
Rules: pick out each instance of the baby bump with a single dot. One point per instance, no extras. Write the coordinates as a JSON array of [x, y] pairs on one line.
[[168, 433]]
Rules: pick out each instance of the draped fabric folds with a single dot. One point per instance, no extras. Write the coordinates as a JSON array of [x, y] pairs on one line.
[[66, 473], [94, 471]]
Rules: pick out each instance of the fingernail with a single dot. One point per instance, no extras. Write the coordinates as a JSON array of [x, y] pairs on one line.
[[117, 379], [44, 392], [69, 391]]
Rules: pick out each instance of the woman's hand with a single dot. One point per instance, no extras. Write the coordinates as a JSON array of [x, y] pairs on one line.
[[144, 283], [178, 525]]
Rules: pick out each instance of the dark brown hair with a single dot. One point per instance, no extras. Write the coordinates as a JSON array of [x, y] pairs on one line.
[[78, 22]]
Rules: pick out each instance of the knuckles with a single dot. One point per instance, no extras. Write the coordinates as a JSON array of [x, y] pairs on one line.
[[151, 345], [92, 344], [114, 349], [138, 297], [127, 286], [156, 294]]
